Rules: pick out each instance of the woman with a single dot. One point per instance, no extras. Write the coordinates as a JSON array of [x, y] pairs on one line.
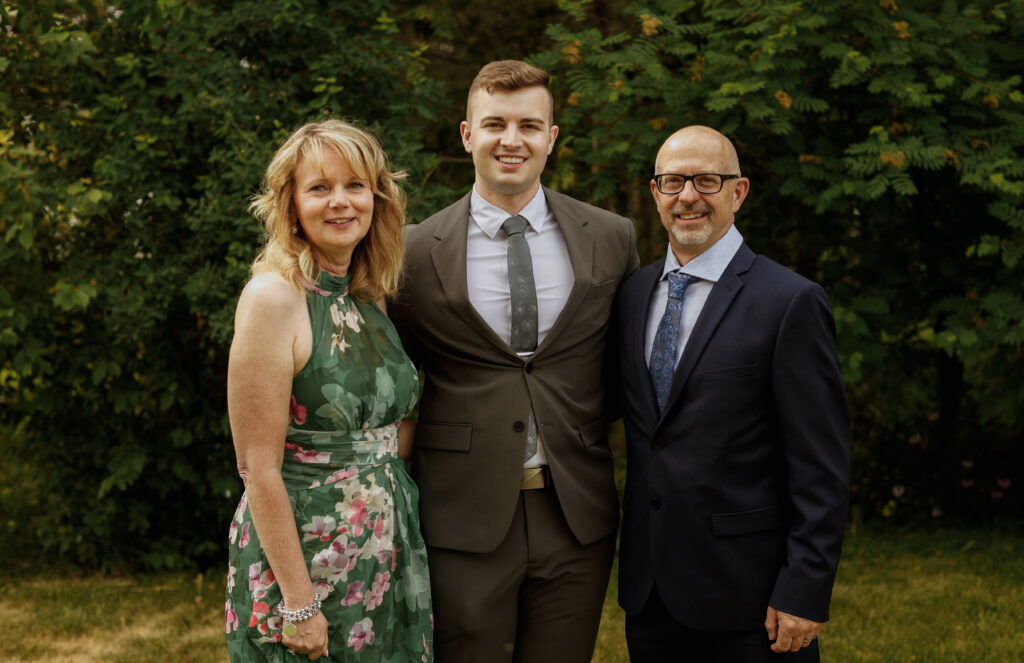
[[326, 556]]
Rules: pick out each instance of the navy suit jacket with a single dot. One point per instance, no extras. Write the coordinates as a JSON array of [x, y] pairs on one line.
[[736, 495]]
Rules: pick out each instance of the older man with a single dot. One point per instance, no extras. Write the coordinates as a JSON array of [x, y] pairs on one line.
[[737, 432]]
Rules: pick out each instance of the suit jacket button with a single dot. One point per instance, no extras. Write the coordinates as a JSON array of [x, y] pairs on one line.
[[528, 368], [659, 443], [518, 426], [655, 503]]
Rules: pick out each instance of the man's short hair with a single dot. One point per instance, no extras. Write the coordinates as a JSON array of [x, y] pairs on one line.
[[508, 76]]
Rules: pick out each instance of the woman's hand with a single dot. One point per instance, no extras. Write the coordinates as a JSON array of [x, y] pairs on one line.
[[311, 639]]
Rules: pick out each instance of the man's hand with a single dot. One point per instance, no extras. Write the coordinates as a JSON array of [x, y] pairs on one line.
[[789, 632]]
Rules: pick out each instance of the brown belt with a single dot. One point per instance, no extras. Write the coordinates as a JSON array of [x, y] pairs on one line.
[[535, 478]]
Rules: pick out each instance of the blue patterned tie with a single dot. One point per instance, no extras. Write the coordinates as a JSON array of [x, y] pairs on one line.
[[663, 352]]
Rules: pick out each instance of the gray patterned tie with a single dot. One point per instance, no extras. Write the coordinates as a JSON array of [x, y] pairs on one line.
[[521, 286], [523, 292]]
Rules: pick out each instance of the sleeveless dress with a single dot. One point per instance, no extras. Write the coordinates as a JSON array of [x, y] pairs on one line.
[[356, 507]]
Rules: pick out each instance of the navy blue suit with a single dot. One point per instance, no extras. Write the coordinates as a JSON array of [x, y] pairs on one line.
[[736, 495]]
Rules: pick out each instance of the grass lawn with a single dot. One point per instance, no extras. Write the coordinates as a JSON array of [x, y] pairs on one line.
[[939, 596]]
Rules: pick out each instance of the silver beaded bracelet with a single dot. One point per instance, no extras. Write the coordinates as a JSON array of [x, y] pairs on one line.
[[301, 614]]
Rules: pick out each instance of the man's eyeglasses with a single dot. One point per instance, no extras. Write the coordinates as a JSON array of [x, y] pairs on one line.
[[706, 183]]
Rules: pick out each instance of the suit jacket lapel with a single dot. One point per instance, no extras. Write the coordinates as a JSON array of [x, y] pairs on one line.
[[638, 332], [449, 256], [715, 308], [580, 243]]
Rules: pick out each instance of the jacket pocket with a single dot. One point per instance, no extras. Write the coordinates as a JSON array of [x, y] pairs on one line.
[[599, 290], [443, 437], [592, 433], [731, 373], [745, 522]]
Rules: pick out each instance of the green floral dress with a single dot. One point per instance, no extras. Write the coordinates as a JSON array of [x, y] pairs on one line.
[[355, 505]]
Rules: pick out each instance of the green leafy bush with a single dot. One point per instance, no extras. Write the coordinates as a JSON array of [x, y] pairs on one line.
[[132, 138], [885, 143]]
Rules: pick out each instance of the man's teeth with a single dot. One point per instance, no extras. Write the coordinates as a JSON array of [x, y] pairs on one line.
[[512, 160], [688, 217]]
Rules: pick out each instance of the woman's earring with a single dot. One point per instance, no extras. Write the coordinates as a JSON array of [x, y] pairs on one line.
[[295, 229]]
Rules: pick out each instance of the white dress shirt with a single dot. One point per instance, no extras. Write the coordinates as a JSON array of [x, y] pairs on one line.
[[708, 268], [487, 270]]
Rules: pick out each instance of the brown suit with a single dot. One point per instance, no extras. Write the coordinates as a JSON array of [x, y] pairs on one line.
[[477, 393]]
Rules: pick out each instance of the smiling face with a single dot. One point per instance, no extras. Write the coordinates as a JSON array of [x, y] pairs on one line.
[[334, 206], [695, 221], [510, 136]]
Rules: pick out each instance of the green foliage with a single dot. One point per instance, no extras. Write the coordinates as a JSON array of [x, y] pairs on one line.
[[883, 139], [885, 144], [132, 138]]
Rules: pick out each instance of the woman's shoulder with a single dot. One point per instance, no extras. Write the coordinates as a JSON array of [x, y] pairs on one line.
[[272, 294]]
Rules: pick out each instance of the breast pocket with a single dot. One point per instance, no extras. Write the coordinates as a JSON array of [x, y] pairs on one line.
[[729, 374], [601, 290]]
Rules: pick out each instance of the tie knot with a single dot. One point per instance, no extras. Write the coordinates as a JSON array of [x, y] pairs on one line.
[[677, 284], [514, 225]]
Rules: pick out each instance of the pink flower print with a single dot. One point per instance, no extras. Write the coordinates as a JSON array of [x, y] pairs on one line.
[[341, 475], [355, 593], [296, 412], [357, 515], [326, 564], [259, 610], [254, 575], [233, 532], [271, 628], [321, 528], [231, 577], [244, 540], [334, 562], [361, 634], [230, 618], [375, 596], [378, 527], [323, 588], [240, 509], [313, 457], [263, 583], [1003, 483]]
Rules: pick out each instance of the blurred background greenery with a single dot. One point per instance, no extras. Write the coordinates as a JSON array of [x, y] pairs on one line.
[[884, 141]]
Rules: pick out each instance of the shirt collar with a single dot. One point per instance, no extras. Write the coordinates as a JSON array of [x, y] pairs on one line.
[[709, 265], [489, 217]]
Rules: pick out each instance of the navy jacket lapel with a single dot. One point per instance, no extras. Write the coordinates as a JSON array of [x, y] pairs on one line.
[[638, 332], [715, 308]]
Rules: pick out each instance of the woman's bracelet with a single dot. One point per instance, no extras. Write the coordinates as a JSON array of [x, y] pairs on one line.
[[302, 614]]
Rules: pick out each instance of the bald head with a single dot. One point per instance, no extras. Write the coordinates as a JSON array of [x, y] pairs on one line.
[[698, 139], [696, 219]]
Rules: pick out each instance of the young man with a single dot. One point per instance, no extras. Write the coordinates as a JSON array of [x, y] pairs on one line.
[[737, 432], [505, 308]]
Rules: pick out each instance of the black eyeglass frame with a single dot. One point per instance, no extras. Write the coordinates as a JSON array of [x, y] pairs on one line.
[[693, 178]]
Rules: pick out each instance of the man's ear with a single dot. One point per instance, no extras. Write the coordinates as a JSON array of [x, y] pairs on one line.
[[552, 135], [465, 133]]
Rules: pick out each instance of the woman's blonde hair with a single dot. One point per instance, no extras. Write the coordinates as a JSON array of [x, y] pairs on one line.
[[377, 259]]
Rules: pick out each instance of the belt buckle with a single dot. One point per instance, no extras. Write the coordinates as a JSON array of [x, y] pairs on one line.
[[535, 478]]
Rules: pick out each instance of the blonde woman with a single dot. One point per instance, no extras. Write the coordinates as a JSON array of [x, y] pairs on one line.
[[326, 557]]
